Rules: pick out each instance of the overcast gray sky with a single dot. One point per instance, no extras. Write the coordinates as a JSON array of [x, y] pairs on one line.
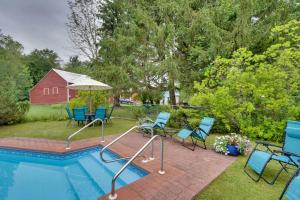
[[37, 24]]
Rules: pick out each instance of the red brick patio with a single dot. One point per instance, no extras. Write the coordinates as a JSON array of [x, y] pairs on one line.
[[187, 172]]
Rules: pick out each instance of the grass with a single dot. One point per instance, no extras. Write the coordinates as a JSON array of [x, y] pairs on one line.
[[59, 131], [53, 112], [234, 184], [57, 112]]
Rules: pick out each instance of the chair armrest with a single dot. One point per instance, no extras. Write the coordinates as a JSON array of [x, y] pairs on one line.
[[267, 144], [148, 120], [161, 123], [286, 153], [200, 129]]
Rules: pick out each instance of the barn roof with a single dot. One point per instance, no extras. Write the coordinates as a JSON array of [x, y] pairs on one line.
[[70, 77]]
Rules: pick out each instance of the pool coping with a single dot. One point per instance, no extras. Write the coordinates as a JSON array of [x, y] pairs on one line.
[[152, 186]]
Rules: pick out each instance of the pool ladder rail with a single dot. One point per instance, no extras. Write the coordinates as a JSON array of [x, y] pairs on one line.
[[68, 141], [113, 195]]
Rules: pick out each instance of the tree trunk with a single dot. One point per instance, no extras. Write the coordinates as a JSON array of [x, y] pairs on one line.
[[117, 101], [172, 91]]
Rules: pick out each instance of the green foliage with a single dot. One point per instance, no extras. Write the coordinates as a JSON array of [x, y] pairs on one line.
[[54, 112], [255, 94], [150, 46], [40, 62], [83, 98], [14, 81], [77, 66]]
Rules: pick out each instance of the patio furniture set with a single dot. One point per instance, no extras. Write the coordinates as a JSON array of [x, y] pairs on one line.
[[288, 155], [84, 116]]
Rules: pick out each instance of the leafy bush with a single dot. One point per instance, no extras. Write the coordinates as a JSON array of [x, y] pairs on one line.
[[98, 98], [148, 110], [14, 81], [255, 94]]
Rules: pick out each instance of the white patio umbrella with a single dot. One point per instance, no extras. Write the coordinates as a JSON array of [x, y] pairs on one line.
[[86, 83]]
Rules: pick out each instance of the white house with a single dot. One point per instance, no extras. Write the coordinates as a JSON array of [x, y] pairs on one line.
[[166, 98]]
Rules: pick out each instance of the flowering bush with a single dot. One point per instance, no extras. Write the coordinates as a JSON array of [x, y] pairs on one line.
[[242, 142]]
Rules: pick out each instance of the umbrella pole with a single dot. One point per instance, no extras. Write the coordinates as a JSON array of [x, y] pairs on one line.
[[90, 101]]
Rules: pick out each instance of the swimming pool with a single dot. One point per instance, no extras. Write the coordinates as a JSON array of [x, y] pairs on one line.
[[30, 175]]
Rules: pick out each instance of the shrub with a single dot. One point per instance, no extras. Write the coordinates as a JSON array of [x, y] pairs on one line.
[[179, 116], [98, 98], [255, 94], [15, 81]]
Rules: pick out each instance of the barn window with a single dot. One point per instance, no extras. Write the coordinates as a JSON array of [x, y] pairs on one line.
[[46, 91], [55, 90]]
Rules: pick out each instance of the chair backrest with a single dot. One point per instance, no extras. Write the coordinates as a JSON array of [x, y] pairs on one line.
[[162, 119], [100, 113], [206, 125], [292, 140], [293, 124], [86, 109], [70, 116], [79, 114]]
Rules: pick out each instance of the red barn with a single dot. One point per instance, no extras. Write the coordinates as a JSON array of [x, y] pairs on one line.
[[52, 88]]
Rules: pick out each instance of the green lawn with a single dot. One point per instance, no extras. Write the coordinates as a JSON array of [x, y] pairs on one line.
[[57, 112], [234, 184], [58, 129], [46, 112]]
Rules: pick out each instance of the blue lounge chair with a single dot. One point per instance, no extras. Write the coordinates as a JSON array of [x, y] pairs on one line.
[[288, 154], [79, 115], [198, 134], [70, 116], [161, 121], [292, 188]]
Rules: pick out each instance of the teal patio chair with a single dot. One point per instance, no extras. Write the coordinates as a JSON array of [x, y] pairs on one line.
[[198, 134], [79, 115], [100, 113], [286, 155], [148, 126], [70, 116], [292, 188], [86, 109]]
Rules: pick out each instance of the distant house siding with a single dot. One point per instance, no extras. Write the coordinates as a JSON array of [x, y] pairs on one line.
[[50, 89]]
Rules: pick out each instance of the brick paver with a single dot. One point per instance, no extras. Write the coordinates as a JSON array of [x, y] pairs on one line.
[[187, 172]]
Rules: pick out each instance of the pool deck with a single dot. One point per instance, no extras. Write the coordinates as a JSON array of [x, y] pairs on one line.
[[187, 172]]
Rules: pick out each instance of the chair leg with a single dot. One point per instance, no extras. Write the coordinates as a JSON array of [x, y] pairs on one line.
[[257, 179], [68, 123], [164, 133], [283, 167], [186, 146], [259, 175], [202, 140], [204, 144]]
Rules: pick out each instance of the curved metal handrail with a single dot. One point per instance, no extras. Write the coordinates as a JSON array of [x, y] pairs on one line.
[[87, 125], [111, 143], [113, 194]]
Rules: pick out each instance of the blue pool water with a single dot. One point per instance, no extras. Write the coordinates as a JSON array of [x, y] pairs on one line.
[[29, 175]]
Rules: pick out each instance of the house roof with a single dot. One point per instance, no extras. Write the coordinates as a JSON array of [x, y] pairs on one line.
[[70, 77]]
